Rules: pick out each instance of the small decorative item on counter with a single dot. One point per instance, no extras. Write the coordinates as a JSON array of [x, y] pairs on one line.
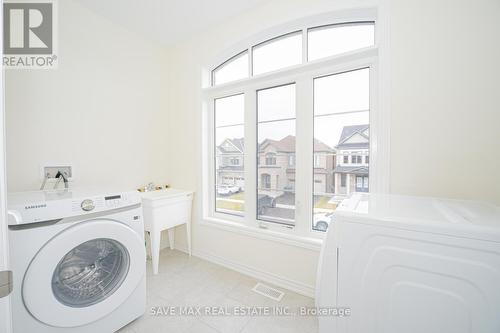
[[148, 188], [151, 187]]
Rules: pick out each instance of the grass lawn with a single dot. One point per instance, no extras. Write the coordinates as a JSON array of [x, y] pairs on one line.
[[223, 204], [238, 196], [323, 203]]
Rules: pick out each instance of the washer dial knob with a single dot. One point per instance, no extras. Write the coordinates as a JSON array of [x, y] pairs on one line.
[[87, 205]]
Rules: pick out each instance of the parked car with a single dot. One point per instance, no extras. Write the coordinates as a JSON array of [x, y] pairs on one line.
[[227, 189], [321, 221], [265, 201]]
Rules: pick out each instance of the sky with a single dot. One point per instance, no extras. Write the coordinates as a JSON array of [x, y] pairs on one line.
[[339, 100]]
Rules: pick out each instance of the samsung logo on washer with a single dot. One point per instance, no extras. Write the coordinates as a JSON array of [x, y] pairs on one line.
[[35, 206]]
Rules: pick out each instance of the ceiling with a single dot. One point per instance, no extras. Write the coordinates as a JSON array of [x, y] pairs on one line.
[[168, 21]]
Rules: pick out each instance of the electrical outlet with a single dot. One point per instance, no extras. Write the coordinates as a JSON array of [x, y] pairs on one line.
[[52, 171]]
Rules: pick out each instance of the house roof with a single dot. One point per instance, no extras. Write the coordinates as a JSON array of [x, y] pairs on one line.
[[356, 145], [238, 143], [357, 170], [287, 145], [348, 132]]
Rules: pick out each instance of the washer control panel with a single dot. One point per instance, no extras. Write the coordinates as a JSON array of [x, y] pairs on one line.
[[114, 201], [87, 205], [40, 206], [98, 204]]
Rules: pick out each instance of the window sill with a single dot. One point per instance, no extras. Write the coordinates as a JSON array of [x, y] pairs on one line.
[[309, 243]]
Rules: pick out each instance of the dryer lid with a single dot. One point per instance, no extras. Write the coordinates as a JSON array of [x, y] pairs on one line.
[[463, 218]]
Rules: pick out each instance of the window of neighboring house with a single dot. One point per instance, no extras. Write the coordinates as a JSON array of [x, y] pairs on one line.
[[271, 159], [233, 69], [279, 52], [362, 183], [229, 133], [276, 130], [291, 160], [317, 161], [359, 182], [346, 159], [341, 116], [266, 181], [356, 159], [367, 159], [343, 179]]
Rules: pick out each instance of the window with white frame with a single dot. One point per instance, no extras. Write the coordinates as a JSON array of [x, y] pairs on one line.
[[277, 53], [229, 146], [294, 106], [341, 120], [233, 69], [276, 137]]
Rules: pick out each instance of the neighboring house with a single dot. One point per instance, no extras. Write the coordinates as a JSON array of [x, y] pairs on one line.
[[324, 163], [351, 172], [229, 163], [340, 170], [276, 171], [276, 165]]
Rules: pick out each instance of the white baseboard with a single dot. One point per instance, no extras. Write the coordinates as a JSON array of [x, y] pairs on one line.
[[279, 281]]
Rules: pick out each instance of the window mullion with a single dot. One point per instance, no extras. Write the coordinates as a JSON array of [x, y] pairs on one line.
[[250, 157], [379, 143], [304, 153], [209, 156], [250, 62], [304, 45]]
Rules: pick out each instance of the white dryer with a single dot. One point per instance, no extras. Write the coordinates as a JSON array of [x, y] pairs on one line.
[[78, 260], [412, 265]]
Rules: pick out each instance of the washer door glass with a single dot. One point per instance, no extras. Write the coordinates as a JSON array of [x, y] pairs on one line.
[[90, 272]]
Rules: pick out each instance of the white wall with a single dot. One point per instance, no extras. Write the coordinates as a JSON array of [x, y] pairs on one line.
[[445, 107], [444, 58], [103, 110]]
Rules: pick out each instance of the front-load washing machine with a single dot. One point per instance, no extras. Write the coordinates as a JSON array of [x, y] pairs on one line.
[[78, 260]]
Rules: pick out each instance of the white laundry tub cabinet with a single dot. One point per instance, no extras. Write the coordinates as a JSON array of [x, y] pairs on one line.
[[164, 210]]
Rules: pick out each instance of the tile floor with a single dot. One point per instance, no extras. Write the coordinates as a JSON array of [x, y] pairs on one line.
[[190, 281]]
